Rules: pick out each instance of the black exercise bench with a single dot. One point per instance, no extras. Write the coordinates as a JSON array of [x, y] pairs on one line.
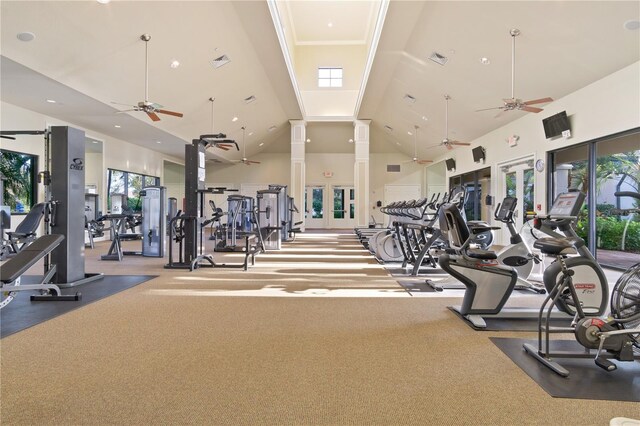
[[12, 270]]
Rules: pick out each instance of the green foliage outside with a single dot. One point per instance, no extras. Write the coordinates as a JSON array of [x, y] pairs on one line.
[[18, 186], [610, 229]]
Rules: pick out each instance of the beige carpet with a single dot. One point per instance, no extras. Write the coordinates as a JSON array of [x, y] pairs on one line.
[[317, 333]]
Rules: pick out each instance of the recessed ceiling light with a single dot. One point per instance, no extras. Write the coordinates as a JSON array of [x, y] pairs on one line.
[[410, 134], [632, 25], [398, 143], [308, 140], [250, 133], [94, 141], [234, 119], [330, 24], [51, 101], [117, 126], [261, 143], [26, 36], [175, 63], [220, 61], [485, 61], [103, 1], [158, 141], [424, 117], [272, 128], [350, 140]]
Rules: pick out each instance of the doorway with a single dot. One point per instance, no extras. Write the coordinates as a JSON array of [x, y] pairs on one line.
[[343, 202], [314, 206], [517, 179]]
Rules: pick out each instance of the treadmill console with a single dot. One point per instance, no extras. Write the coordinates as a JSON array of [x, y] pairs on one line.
[[567, 204]]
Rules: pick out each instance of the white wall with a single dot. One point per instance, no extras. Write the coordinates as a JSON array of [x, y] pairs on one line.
[[410, 174], [273, 168], [605, 107]]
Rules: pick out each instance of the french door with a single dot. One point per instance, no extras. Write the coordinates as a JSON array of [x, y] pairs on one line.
[[343, 207], [314, 211], [517, 179]]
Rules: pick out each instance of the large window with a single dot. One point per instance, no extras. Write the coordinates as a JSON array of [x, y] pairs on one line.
[[20, 187], [124, 190], [599, 169]]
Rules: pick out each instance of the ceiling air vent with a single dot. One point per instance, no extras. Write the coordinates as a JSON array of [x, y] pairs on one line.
[[438, 58], [249, 99], [218, 62], [388, 128], [393, 168], [409, 99]]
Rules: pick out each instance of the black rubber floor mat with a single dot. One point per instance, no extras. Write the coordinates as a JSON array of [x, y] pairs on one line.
[[513, 324], [22, 313], [586, 380], [416, 286]]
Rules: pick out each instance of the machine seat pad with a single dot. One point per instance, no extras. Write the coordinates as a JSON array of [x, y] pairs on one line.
[[482, 254], [28, 256], [555, 246]]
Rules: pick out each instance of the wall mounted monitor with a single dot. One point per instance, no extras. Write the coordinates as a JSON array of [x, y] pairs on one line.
[[451, 164], [556, 124], [478, 154]]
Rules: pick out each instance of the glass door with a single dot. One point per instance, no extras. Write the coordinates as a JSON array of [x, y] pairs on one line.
[[314, 207], [518, 180], [343, 212]]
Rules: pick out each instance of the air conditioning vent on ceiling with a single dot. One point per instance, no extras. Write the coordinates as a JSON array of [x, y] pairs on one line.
[[218, 62], [249, 99], [388, 128], [393, 168], [438, 58]]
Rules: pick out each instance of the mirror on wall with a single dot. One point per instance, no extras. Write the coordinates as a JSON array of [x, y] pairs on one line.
[[435, 179], [94, 177]]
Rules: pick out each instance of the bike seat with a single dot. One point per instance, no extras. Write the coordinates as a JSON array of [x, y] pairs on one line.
[[554, 246], [481, 254]]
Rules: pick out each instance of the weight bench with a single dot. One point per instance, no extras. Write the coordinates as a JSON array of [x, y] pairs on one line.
[[26, 231], [14, 268]]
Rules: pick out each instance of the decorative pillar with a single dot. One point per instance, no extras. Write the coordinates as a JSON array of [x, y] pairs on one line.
[[297, 187], [361, 171]]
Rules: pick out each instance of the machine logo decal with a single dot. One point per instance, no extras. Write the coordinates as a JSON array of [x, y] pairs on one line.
[[77, 164]]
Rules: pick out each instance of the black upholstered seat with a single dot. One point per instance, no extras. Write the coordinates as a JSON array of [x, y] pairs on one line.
[[554, 246]]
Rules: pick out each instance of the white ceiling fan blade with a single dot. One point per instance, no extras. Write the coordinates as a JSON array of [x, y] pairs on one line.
[[489, 109]]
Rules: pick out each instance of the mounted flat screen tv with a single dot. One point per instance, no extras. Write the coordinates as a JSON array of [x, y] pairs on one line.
[[556, 124], [478, 154], [451, 164]]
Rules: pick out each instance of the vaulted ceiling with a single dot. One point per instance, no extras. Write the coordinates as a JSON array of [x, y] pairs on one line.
[[86, 55]]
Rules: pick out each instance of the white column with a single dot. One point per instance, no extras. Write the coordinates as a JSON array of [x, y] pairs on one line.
[[296, 189], [361, 171]]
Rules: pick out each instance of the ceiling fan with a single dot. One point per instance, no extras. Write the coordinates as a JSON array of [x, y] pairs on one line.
[[220, 139], [514, 103], [415, 149], [446, 142], [244, 158], [148, 107]]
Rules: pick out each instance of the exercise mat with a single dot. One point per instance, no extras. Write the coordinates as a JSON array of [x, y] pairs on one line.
[[586, 380], [22, 313], [513, 324]]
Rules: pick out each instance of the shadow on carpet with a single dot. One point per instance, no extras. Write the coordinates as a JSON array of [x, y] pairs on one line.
[[586, 380], [22, 313]]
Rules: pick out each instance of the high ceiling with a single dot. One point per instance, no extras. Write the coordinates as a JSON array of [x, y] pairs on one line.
[[86, 55]]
